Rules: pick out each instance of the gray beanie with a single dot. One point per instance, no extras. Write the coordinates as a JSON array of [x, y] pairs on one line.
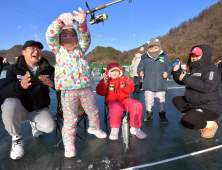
[[151, 42], [154, 41]]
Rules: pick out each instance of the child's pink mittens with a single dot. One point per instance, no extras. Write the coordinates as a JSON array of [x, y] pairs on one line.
[[80, 17], [67, 19]]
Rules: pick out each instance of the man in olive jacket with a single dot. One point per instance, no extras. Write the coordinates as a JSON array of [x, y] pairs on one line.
[[24, 85]]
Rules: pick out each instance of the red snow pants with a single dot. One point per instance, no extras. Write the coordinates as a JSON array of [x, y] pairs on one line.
[[116, 109]]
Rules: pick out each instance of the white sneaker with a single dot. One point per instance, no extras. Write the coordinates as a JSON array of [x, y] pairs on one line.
[[35, 131], [114, 134], [97, 132], [17, 150], [70, 150], [138, 132]]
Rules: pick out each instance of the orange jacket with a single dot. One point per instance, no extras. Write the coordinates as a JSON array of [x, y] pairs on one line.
[[118, 94]]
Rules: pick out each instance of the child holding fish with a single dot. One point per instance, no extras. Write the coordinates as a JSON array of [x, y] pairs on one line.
[[116, 88]]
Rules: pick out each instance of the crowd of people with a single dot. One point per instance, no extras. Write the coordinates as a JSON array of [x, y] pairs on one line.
[[24, 86]]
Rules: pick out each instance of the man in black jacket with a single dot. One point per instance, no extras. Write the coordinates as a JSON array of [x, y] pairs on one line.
[[24, 85]]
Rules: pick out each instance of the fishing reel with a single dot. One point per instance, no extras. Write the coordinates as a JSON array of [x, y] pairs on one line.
[[96, 19], [99, 18]]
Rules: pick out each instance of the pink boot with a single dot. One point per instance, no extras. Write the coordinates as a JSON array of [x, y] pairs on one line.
[[70, 150], [138, 132], [97, 132], [114, 134]]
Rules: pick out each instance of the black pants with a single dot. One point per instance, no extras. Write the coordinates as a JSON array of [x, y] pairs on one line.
[[195, 117], [136, 80]]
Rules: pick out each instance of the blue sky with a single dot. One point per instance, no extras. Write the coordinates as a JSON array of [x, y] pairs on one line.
[[129, 25]]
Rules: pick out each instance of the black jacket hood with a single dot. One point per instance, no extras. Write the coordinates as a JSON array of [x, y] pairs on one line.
[[205, 59], [43, 63]]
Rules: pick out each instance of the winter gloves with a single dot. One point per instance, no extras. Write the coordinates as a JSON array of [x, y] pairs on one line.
[[80, 17], [68, 19]]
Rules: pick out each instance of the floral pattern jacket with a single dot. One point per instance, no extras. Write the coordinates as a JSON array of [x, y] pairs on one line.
[[72, 71]]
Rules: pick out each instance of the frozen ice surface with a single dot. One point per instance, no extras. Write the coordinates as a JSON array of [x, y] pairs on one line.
[[90, 166]]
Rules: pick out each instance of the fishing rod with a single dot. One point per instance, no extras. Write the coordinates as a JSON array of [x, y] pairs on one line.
[[135, 73], [101, 17], [100, 7]]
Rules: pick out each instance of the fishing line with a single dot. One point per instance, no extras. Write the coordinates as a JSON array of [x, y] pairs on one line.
[[131, 22], [45, 15], [130, 48], [118, 8], [118, 158], [135, 73], [175, 158]]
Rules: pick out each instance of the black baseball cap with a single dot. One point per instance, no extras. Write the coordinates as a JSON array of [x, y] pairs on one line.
[[32, 42]]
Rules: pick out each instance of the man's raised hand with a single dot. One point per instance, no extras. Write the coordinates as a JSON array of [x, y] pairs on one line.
[[25, 83], [46, 81]]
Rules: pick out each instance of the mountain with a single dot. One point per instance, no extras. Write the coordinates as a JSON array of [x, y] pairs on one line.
[[16, 51], [102, 55], [205, 28], [109, 54]]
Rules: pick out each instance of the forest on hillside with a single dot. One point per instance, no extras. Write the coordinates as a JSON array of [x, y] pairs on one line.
[[205, 28]]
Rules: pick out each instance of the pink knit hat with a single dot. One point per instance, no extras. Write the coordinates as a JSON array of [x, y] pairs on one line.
[[68, 27]]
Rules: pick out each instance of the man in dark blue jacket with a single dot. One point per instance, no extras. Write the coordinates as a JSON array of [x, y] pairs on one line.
[[156, 68], [24, 85]]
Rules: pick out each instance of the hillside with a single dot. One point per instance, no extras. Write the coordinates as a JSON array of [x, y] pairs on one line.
[[17, 51], [206, 28], [102, 55]]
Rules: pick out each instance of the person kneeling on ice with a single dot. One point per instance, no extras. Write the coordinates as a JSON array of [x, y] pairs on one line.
[[25, 88], [116, 88], [202, 103], [155, 67], [73, 75]]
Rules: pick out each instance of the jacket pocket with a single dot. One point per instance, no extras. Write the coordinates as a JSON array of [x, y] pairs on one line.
[[202, 99], [40, 97], [192, 97]]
